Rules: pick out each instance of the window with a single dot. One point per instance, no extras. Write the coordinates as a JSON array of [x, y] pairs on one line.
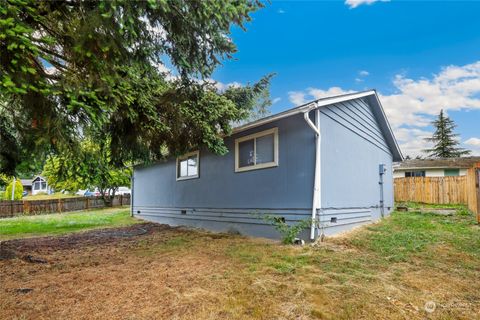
[[418, 173], [40, 184], [257, 151], [452, 172], [187, 166]]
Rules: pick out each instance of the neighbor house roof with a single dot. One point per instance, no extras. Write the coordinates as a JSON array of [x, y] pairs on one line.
[[370, 95], [448, 163], [26, 182]]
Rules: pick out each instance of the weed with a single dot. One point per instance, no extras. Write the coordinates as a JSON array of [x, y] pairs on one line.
[[289, 232]]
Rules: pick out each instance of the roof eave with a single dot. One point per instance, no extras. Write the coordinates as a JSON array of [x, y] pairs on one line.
[[304, 108]]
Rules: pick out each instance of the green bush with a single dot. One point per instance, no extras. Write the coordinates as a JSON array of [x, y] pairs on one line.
[[18, 191], [288, 232]]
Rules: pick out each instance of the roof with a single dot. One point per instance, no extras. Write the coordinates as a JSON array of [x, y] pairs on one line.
[[370, 95], [448, 163], [26, 182]]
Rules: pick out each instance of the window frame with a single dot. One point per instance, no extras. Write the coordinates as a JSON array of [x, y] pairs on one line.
[[185, 157], [413, 174], [253, 137], [453, 170]]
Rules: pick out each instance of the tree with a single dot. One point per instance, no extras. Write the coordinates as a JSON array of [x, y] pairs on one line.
[[444, 139], [18, 193], [75, 68], [87, 168]]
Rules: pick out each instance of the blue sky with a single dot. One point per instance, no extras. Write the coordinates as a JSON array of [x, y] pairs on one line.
[[420, 56]]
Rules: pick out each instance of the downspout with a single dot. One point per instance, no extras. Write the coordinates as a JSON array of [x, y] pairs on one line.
[[132, 184], [316, 201]]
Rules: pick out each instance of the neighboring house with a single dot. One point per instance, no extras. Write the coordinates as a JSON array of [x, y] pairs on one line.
[[444, 167], [27, 185], [40, 185], [279, 165]]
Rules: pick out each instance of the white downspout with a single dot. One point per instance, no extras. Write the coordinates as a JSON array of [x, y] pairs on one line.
[[316, 201]]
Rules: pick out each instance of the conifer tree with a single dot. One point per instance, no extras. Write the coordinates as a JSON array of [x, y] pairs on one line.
[[445, 140]]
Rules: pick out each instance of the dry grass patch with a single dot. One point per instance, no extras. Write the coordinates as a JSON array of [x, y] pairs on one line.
[[388, 270]]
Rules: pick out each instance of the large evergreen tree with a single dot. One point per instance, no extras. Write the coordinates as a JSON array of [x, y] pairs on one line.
[[445, 140], [74, 68]]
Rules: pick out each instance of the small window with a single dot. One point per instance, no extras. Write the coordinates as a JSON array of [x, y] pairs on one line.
[[257, 151], [418, 173], [452, 172], [187, 166]]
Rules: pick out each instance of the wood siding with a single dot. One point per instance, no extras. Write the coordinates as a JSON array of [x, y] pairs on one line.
[[353, 147], [357, 116], [224, 200]]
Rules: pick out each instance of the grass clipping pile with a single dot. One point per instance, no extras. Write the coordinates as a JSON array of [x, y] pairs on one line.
[[410, 266]]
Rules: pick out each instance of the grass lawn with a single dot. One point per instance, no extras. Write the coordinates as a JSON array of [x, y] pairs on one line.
[[389, 270], [57, 224]]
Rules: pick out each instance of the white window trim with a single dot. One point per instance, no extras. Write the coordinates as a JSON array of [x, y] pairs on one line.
[[186, 156], [274, 163]]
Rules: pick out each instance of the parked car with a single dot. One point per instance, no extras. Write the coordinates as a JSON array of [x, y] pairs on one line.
[[89, 193], [123, 191]]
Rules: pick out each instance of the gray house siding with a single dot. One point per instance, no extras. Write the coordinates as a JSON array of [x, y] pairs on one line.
[[352, 149], [353, 145], [221, 199]]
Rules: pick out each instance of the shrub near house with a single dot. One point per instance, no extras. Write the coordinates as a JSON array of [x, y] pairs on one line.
[[17, 193]]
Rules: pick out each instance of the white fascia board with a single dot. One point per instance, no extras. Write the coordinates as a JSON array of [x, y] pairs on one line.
[[388, 125]]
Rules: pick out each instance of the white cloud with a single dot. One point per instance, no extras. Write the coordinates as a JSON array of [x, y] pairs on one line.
[[473, 142], [474, 145], [297, 97], [302, 97], [355, 3], [280, 11], [417, 101], [223, 86], [275, 100], [363, 73]]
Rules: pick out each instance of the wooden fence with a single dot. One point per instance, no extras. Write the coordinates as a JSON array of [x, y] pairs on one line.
[[473, 190], [24, 207], [440, 190]]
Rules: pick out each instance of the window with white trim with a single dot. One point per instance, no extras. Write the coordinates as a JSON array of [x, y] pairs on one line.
[[187, 166], [257, 151]]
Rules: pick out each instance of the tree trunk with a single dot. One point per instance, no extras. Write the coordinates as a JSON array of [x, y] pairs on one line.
[[107, 198]]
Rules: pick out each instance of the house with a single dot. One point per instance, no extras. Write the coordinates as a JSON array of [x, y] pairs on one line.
[[39, 185], [27, 185], [329, 160], [445, 167]]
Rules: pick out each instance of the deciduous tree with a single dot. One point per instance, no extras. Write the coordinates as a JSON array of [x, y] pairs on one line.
[[89, 167]]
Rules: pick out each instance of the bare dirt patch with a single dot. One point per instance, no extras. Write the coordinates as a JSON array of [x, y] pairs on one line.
[[151, 271]]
